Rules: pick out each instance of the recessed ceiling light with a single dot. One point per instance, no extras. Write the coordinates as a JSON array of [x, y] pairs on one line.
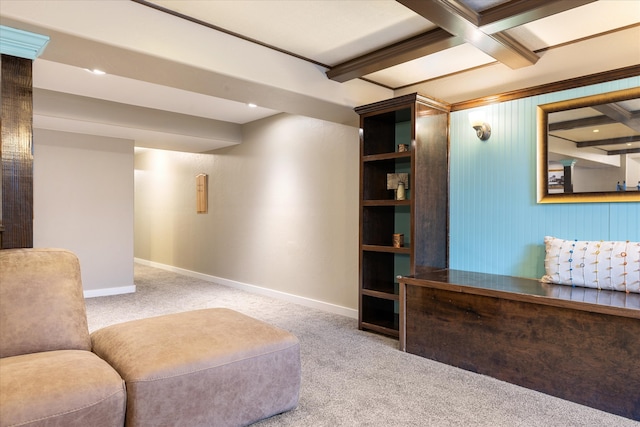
[[251, 105], [596, 130], [96, 72]]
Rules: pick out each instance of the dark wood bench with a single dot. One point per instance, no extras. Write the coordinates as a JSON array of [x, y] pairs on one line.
[[578, 344]]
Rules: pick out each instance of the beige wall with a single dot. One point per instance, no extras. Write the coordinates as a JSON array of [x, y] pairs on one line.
[[283, 210], [83, 201], [606, 178]]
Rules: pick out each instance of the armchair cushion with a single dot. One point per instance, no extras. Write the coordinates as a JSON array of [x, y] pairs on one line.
[[209, 367], [60, 388], [41, 302]]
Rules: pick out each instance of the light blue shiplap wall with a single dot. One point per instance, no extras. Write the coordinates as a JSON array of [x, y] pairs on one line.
[[496, 226]]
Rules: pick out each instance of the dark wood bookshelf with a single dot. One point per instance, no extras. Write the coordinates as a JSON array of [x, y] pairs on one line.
[[421, 124], [387, 156], [386, 202]]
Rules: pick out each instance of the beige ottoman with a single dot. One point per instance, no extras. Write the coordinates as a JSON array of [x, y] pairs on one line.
[[213, 367]]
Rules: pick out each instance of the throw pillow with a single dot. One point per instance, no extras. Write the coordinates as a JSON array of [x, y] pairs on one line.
[[613, 265]]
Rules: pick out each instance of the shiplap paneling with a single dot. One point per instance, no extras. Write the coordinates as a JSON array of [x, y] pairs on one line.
[[496, 225]]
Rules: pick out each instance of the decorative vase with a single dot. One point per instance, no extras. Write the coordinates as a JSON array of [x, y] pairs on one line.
[[398, 240], [400, 193]]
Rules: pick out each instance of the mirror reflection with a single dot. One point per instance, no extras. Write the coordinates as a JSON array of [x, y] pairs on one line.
[[589, 149]]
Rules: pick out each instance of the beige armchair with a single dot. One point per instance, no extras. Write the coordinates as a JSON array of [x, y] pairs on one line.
[[210, 367], [48, 374]]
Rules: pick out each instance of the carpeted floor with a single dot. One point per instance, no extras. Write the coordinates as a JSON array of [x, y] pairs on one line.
[[351, 377]]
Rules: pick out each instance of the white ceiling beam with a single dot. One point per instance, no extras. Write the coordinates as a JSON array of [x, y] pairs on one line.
[[130, 40]]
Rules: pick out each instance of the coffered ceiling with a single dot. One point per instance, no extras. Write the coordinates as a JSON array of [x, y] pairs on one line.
[[596, 134], [196, 64]]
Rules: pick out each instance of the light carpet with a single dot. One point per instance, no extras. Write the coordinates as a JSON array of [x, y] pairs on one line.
[[352, 377]]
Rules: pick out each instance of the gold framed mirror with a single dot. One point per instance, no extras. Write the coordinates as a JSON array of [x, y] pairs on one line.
[[589, 149]]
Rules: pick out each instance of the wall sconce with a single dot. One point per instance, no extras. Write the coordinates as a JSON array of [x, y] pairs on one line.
[[483, 130]]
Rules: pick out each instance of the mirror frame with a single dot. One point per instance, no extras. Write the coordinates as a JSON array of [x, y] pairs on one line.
[[543, 112]]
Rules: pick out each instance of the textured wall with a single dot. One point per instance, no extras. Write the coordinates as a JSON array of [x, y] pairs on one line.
[[283, 205], [496, 226], [283, 209], [83, 201]]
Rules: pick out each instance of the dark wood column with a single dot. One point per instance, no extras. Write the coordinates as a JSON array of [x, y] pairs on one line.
[[17, 152], [568, 174]]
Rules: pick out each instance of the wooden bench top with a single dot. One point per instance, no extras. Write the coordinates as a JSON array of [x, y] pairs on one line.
[[530, 290]]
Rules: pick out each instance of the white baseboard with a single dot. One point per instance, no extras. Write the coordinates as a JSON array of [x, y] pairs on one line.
[[109, 291], [307, 302]]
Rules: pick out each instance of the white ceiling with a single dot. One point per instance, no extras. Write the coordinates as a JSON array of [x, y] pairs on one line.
[[181, 77]]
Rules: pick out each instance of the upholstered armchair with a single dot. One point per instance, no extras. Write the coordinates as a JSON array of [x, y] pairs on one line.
[[197, 368], [48, 374]]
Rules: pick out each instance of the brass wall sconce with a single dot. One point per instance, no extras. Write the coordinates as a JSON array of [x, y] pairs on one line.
[[483, 129]]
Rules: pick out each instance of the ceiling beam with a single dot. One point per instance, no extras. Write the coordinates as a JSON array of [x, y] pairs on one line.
[[611, 141], [621, 115], [397, 53], [629, 151], [483, 28], [581, 123], [612, 113], [456, 18], [519, 12]]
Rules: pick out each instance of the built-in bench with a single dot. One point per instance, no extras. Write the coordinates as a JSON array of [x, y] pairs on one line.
[[579, 344]]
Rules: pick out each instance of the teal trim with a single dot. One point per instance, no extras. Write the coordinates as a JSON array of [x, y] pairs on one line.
[[21, 44], [496, 225]]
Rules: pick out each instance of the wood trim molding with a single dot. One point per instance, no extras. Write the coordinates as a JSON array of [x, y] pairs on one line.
[[397, 53], [458, 24], [518, 12], [606, 76], [399, 101], [459, 20], [224, 30]]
